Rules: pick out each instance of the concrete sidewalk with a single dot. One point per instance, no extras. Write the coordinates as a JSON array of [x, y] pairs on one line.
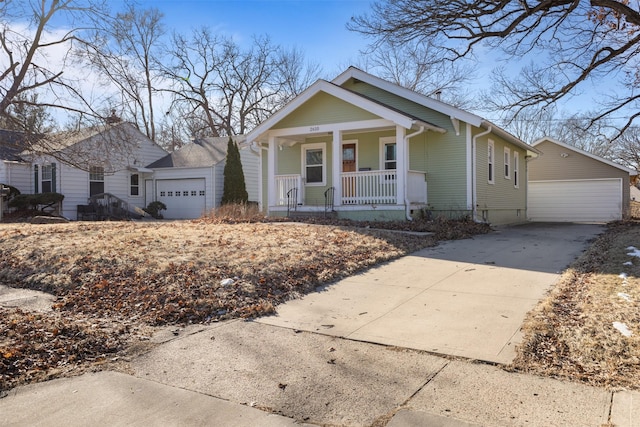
[[222, 374], [463, 298]]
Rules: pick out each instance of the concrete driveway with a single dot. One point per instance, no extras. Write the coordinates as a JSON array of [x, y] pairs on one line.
[[463, 298]]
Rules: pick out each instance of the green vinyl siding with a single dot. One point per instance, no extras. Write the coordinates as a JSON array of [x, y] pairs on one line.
[[323, 109], [446, 171], [500, 202]]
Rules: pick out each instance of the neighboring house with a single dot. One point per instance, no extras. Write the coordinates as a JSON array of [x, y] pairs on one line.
[[370, 149], [569, 184], [190, 180], [108, 159], [12, 166]]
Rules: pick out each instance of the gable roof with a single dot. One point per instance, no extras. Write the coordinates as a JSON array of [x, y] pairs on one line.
[[585, 153], [383, 110], [386, 112], [203, 152], [454, 113], [439, 106]]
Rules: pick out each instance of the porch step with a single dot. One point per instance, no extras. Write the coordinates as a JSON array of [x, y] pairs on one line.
[[313, 214]]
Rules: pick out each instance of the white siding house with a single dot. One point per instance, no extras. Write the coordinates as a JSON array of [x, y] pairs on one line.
[[190, 181]]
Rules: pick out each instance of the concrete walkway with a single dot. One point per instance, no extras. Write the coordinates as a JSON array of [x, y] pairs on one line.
[[463, 298], [240, 373]]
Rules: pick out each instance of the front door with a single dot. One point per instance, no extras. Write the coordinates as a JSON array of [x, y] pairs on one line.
[[349, 165]]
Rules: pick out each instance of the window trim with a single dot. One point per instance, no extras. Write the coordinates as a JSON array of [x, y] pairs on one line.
[[507, 163], [387, 140], [96, 174], [46, 176], [132, 186], [314, 146], [491, 160], [516, 169]]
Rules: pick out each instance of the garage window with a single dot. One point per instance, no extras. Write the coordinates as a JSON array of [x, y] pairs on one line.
[[490, 160], [507, 163]]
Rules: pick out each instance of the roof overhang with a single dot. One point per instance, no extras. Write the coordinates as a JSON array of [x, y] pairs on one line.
[[531, 151], [350, 97]]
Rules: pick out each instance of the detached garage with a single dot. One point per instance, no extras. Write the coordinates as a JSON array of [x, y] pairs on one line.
[[571, 185]]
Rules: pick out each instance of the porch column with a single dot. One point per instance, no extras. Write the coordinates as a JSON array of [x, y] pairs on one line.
[[336, 166], [402, 166], [271, 172]]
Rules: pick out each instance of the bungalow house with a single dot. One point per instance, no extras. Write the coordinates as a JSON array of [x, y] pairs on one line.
[[365, 148], [85, 163], [190, 180]]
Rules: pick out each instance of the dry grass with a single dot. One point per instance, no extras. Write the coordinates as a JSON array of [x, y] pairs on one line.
[[114, 280], [571, 333]]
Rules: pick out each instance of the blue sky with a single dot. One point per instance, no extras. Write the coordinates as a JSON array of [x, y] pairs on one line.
[[317, 27]]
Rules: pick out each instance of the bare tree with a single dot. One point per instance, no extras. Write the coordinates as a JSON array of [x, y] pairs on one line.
[[28, 41], [413, 66], [231, 89], [126, 51], [573, 41], [628, 148]]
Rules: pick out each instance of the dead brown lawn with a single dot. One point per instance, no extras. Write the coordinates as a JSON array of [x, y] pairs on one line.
[[571, 333], [116, 280]]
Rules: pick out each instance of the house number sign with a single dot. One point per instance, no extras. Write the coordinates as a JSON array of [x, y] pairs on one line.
[[314, 128]]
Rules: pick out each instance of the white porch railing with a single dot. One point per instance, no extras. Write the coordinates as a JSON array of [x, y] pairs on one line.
[[370, 187], [361, 188], [284, 183], [417, 187]]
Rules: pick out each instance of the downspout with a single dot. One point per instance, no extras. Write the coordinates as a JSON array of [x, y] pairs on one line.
[[406, 181], [474, 186]]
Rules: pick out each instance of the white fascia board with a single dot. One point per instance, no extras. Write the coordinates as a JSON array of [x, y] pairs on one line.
[[350, 97], [434, 104], [510, 138], [586, 153]]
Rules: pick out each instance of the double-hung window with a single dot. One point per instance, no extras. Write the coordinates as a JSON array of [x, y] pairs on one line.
[[490, 161], [47, 179], [313, 158], [134, 184], [388, 156], [96, 180], [516, 168], [507, 163]]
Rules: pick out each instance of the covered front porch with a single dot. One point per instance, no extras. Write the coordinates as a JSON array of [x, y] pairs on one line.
[[344, 168]]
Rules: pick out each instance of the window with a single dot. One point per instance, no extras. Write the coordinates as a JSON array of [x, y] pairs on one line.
[[389, 156], [96, 180], [516, 167], [162, 194], [313, 158], [490, 160], [134, 184], [201, 192], [185, 193], [47, 179], [507, 163], [194, 193]]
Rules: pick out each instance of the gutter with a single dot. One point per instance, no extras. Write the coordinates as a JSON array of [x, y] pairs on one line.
[[406, 171], [474, 186]]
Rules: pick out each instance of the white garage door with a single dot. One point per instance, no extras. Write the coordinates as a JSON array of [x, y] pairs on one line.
[[185, 198], [593, 200]]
